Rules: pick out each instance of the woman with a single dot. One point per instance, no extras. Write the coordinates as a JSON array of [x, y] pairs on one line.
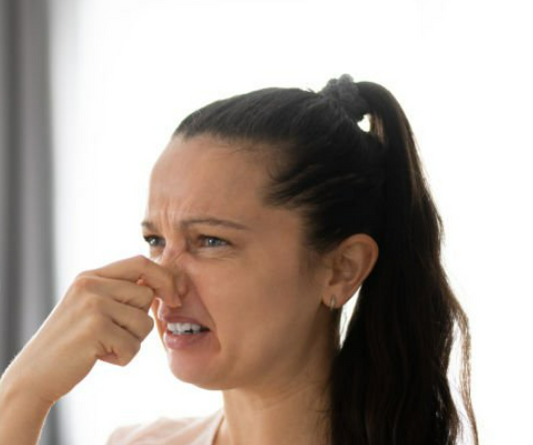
[[267, 212]]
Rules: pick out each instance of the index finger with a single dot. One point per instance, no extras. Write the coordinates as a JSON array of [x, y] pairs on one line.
[[143, 272]]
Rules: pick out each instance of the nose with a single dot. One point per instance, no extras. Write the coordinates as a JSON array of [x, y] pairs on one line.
[[172, 263]]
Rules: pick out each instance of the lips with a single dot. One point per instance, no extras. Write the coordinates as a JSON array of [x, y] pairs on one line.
[[184, 333], [186, 323], [180, 338]]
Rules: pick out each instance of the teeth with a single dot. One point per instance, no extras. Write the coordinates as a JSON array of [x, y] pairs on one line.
[[184, 328]]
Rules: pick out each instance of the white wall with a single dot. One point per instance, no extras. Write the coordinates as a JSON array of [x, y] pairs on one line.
[[127, 71]]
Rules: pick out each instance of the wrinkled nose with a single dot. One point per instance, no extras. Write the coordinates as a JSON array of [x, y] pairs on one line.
[[173, 265]]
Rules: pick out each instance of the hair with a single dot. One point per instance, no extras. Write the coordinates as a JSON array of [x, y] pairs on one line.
[[389, 379]]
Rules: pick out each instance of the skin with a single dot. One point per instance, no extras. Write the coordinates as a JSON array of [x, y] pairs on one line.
[[110, 307], [255, 288], [271, 339], [247, 285]]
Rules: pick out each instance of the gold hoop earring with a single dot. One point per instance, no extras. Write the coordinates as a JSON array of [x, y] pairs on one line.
[[332, 303]]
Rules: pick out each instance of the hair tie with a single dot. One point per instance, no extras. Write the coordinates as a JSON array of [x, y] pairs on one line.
[[344, 91]]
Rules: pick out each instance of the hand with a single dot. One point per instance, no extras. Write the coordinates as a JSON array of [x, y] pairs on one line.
[[103, 315]]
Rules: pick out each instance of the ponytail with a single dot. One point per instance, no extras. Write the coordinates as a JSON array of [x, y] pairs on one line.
[[389, 381]]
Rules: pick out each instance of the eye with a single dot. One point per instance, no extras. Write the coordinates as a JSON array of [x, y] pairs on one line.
[[211, 241], [153, 240]]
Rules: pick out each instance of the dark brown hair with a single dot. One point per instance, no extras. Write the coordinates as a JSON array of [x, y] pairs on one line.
[[389, 382]]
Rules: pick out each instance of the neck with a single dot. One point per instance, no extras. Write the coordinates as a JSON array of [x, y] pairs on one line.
[[295, 415], [293, 412]]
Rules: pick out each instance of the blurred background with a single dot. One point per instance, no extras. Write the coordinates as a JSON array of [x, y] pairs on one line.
[[90, 91]]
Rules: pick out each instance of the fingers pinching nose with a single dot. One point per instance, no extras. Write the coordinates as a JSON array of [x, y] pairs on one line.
[[170, 295], [141, 282]]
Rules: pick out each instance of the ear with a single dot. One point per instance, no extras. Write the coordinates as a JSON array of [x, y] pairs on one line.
[[350, 263]]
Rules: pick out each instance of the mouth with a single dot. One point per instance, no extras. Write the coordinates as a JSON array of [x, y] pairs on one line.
[[185, 328], [186, 336]]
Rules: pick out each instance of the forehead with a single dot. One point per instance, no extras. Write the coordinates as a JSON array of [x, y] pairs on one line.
[[204, 176]]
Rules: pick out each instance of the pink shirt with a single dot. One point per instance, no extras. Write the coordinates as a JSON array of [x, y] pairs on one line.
[[165, 431]]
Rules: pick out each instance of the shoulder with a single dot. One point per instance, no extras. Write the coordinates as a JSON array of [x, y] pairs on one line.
[[166, 431]]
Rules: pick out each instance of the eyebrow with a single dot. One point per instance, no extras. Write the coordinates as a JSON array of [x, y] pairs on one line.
[[216, 222]]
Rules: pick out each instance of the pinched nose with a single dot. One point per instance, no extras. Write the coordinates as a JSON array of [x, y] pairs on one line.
[[179, 279]]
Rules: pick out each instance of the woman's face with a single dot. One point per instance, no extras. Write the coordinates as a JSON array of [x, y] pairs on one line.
[[239, 268]]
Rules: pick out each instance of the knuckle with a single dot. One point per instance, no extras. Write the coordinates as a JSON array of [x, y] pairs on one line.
[[142, 260], [82, 283], [95, 322], [92, 304], [92, 313], [85, 273]]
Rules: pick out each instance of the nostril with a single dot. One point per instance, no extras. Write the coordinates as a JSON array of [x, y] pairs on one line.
[[164, 308], [176, 302]]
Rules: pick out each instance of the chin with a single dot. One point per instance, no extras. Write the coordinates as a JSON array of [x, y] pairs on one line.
[[193, 370], [200, 374]]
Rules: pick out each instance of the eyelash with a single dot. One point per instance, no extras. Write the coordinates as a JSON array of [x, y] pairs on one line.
[[200, 238]]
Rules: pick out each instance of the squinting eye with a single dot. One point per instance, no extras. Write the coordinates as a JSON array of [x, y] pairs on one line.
[[152, 240], [212, 241]]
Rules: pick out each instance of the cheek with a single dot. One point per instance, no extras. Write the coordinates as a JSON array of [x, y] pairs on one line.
[[242, 296], [226, 290]]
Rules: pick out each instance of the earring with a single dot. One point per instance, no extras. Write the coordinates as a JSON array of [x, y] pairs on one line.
[[332, 303]]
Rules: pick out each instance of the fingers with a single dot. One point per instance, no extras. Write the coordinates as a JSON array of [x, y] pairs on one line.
[[114, 300], [144, 272], [126, 304], [131, 294], [137, 322], [117, 345]]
